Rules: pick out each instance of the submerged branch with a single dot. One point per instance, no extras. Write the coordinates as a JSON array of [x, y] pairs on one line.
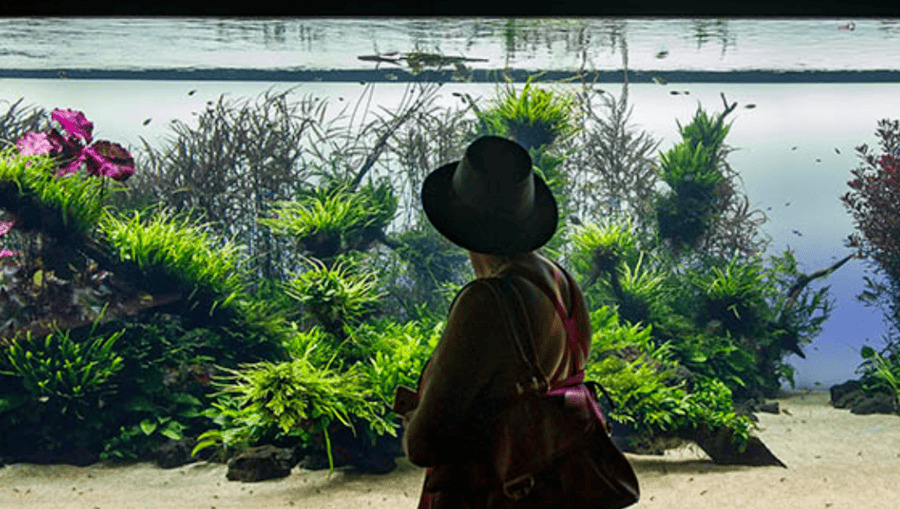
[[803, 280]]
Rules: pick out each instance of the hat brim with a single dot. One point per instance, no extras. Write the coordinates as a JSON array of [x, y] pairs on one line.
[[479, 229]]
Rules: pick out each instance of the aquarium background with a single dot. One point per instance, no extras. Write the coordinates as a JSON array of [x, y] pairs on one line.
[[817, 89]]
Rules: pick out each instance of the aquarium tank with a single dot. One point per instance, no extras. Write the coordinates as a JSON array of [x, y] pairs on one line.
[[220, 245]]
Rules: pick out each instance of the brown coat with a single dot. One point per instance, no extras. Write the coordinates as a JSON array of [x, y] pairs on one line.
[[476, 353]]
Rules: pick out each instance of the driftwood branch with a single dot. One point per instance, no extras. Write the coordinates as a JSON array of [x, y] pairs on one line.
[[803, 280]]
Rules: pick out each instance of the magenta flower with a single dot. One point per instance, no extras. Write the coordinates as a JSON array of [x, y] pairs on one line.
[[4, 252], [75, 123]]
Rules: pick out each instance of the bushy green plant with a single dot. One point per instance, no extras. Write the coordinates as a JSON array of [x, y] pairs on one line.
[[650, 394], [53, 390], [734, 294], [882, 369], [62, 373], [534, 117], [598, 248], [334, 296], [295, 395]]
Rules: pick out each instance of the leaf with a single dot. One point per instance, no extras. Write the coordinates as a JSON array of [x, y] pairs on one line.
[[173, 430], [867, 352], [148, 426]]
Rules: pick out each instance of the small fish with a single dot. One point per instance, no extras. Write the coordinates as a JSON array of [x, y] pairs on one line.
[[794, 147], [660, 80], [662, 54], [836, 150], [686, 92], [750, 106], [674, 92], [362, 82], [797, 233], [818, 160], [768, 208], [147, 121], [786, 411], [192, 92], [788, 204], [456, 94]]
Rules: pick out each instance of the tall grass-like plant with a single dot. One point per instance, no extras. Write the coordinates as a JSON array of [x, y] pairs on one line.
[[19, 119]]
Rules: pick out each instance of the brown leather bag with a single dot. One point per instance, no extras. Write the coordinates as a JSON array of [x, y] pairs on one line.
[[542, 442]]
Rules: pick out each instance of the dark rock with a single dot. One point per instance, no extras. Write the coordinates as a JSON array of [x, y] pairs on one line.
[[719, 445], [261, 463], [843, 395], [770, 408], [175, 453], [877, 403]]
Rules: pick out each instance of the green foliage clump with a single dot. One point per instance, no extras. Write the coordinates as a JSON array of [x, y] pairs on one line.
[[534, 117], [67, 206], [881, 370], [53, 390], [651, 394], [334, 295], [176, 253], [334, 218]]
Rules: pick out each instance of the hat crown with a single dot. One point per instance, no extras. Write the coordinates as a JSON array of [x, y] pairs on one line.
[[496, 173]]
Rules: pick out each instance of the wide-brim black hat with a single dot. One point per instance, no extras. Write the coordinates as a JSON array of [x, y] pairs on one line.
[[491, 201]]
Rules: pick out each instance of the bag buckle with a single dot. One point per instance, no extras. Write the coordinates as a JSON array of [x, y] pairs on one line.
[[519, 488]]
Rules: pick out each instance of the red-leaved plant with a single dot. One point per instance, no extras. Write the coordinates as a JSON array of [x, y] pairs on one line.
[[74, 148], [874, 201]]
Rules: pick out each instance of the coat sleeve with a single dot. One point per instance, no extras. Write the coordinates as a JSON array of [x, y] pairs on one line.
[[468, 357]]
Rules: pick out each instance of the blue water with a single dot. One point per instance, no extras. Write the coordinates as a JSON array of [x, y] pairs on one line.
[[796, 191]]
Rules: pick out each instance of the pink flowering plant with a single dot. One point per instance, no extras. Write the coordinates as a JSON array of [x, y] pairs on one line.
[[73, 148]]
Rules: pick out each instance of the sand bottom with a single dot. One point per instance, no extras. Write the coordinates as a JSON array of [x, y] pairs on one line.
[[835, 460]]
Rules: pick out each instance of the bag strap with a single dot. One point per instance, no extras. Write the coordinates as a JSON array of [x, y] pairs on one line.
[[538, 381]]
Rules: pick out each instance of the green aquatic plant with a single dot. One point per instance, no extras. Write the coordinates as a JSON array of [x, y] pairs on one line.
[[534, 117], [599, 248], [295, 395], [62, 207], [694, 170], [335, 295], [62, 373], [334, 218], [652, 395], [178, 249], [642, 293], [882, 369], [734, 294]]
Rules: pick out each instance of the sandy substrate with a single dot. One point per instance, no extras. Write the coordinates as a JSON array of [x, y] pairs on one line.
[[835, 460]]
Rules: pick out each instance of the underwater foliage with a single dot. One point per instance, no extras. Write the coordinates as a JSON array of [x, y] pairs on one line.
[[652, 395], [872, 203], [534, 117], [335, 295]]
